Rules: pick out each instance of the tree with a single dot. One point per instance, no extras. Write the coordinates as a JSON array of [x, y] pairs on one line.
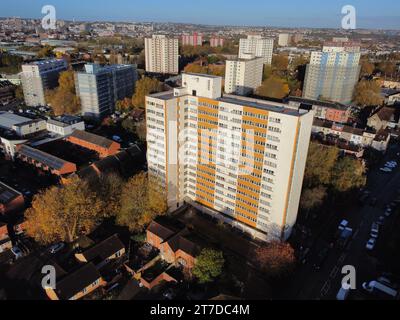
[[276, 259], [19, 93], [280, 62], [367, 93], [109, 188], [367, 68], [209, 265], [45, 52], [124, 105], [348, 174], [320, 164], [63, 213], [313, 198], [141, 130], [142, 200], [63, 99], [274, 87], [144, 87]]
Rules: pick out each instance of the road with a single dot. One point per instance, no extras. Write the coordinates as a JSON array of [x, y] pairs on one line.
[[310, 284]]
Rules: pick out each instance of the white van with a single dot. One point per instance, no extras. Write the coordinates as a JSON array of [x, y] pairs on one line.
[[375, 286]]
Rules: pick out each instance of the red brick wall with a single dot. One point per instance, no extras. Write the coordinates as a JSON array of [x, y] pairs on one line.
[[154, 240], [103, 152], [336, 115]]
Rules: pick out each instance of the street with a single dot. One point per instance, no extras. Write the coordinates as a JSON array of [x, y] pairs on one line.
[[325, 283]]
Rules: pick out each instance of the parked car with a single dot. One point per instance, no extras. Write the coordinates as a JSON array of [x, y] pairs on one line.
[[377, 287], [375, 231], [388, 212], [343, 294], [117, 139], [381, 220], [371, 244], [56, 247], [343, 225], [386, 170], [17, 252]]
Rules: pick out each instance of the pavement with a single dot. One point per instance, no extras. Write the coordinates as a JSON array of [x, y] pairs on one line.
[[309, 284]]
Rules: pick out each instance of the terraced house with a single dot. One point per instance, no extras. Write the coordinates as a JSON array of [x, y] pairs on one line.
[[239, 159]]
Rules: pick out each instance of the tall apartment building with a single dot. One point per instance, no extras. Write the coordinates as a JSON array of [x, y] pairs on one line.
[[99, 88], [243, 76], [37, 77], [257, 46], [333, 73], [216, 42], [192, 40], [162, 54], [239, 159], [284, 39]]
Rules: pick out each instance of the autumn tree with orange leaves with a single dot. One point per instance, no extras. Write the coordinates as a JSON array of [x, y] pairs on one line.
[[63, 213], [276, 259]]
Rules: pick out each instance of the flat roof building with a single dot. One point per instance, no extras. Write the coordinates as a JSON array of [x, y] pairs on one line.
[[241, 160], [99, 88], [22, 126], [39, 76]]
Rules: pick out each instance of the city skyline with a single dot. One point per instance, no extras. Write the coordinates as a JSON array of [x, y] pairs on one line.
[[312, 14]]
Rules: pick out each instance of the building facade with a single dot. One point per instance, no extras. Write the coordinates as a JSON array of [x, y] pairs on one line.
[[216, 42], [284, 39], [333, 73], [99, 88], [243, 76], [194, 39], [257, 46], [162, 54], [38, 77], [239, 159]]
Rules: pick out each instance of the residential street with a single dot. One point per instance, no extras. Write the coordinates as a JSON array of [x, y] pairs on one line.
[[326, 282]]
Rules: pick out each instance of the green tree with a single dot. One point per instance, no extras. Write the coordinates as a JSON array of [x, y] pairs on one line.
[[348, 174], [63, 213], [274, 87], [320, 164], [63, 99], [313, 198], [209, 265], [145, 86], [142, 200], [367, 93]]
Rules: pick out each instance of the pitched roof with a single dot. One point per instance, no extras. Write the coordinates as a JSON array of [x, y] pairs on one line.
[[77, 281], [92, 138], [104, 249], [161, 231], [183, 243], [7, 194], [43, 157], [385, 113]]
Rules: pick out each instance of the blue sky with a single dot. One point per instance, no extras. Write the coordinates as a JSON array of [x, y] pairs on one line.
[[378, 14]]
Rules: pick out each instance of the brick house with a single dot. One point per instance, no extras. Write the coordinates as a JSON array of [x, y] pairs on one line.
[[177, 246], [103, 146], [10, 199], [78, 284]]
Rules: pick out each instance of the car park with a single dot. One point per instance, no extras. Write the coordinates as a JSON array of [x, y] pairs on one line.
[[371, 244]]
